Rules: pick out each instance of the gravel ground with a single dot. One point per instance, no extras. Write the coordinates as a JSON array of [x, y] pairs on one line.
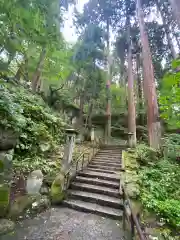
[[66, 224]]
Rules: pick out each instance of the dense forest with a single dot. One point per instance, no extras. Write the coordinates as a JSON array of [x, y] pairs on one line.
[[122, 74]]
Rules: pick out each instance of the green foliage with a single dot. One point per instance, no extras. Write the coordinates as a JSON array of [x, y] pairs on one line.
[[118, 97], [170, 97], [145, 155], [160, 178], [172, 146], [160, 190], [38, 127]]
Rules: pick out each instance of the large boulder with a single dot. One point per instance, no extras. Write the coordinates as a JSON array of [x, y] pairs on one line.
[[6, 226], [4, 199], [28, 204], [57, 189]]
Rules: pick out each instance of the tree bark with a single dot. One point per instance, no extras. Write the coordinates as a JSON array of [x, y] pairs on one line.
[[131, 102], [108, 86], [153, 121], [81, 107], [19, 73], [140, 89], [175, 5], [38, 71]]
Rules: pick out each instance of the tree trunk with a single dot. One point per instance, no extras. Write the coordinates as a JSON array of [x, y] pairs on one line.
[[131, 102], [108, 86], [153, 121], [19, 73], [26, 75], [140, 89], [165, 25], [81, 107], [175, 5], [90, 115], [38, 71]]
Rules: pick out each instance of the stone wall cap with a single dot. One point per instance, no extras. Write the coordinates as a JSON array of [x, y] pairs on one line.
[[71, 131]]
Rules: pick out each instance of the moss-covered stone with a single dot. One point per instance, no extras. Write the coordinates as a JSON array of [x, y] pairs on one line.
[[57, 191], [4, 199], [132, 190], [130, 178], [130, 161], [28, 203], [6, 226]]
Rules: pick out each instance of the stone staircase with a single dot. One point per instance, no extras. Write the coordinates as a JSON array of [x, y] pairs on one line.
[[96, 188]]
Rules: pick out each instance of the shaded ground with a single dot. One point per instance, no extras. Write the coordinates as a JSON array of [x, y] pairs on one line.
[[66, 224]]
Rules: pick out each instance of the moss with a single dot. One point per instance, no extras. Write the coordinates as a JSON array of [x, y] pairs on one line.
[[57, 192], [130, 161], [20, 204], [30, 204], [4, 199], [130, 177], [6, 226]]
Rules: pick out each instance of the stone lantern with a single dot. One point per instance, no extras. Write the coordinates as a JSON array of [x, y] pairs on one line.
[[131, 140], [69, 148], [92, 135]]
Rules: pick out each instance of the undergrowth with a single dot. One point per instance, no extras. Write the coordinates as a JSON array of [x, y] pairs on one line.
[[160, 180], [39, 129]]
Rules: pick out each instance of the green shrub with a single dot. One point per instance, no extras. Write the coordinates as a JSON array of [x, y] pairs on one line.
[[145, 154], [39, 128], [171, 146], [160, 191]]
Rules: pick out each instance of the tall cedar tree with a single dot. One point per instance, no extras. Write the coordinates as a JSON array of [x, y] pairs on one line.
[[153, 121]]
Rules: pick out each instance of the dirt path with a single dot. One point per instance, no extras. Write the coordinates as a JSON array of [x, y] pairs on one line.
[[66, 224]]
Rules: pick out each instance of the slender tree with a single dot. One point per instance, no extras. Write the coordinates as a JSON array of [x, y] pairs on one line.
[[37, 74], [154, 127], [108, 85], [131, 102]]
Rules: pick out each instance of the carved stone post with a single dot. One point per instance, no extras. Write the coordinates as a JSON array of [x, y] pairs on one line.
[[69, 148], [92, 135], [131, 142]]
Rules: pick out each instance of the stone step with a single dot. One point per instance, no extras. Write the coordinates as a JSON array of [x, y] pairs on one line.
[[102, 170], [106, 161], [96, 198], [105, 176], [99, 182], [116, 160], [111, 155], [107, 164], [103, 166], [95, 189], [94, 208], [113, 147]]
